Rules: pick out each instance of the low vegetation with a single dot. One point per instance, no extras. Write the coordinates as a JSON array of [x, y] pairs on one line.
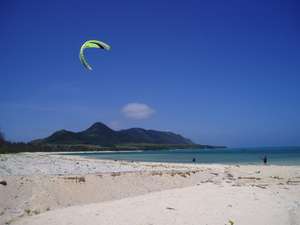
[[15, 147], [12, 147]]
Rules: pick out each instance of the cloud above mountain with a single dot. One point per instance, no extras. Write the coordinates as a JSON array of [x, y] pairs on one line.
[[137, 111]]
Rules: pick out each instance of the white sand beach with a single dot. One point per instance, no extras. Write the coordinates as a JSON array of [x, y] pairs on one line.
[[58, 189]]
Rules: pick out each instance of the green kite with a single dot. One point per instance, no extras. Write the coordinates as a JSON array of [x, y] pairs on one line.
[[91, 44]]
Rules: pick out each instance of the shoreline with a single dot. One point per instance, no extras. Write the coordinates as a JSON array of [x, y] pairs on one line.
[[201, 157], [40, 185], [45, 163]]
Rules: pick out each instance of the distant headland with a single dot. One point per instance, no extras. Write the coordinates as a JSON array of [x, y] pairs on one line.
[[100, 137]]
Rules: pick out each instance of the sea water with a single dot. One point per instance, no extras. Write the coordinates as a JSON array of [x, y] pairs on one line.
[[275, 155]]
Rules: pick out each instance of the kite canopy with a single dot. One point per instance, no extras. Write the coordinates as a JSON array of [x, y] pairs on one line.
[[91, 44]]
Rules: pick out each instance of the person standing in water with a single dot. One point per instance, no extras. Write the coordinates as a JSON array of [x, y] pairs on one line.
[[265, 159]]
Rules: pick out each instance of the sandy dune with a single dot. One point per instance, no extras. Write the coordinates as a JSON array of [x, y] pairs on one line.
[[203, 204], [50, 189]]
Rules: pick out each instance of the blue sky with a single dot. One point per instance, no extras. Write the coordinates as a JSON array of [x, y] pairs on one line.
[[218, 72]]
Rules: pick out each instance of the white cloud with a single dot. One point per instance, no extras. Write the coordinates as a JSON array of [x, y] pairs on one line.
[[137, 111]]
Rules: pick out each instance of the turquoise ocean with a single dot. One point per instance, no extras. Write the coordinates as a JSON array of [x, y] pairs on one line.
[[275, 155]]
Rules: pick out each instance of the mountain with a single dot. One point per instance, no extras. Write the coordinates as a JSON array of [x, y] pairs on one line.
[[100, 134]]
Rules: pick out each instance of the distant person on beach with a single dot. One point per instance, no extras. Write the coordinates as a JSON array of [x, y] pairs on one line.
[[265, 160], [194, 159]]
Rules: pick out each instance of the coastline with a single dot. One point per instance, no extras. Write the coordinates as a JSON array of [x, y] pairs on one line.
[[48, 184]]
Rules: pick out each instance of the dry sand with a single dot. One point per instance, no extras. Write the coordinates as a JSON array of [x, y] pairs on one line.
[[56, 189], [204, 204]]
